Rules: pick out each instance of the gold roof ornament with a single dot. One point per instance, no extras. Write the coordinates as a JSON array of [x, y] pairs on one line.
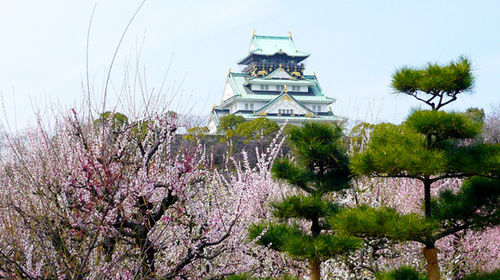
[[229, 71], [314, 73], [285, 88], [330, 107], [253, 33], [286, 98], [290, 34]]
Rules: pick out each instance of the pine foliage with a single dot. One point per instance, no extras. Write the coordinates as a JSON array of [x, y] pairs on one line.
[[320, 167], [434, 84], [430, 146], [383, 222], [475, 204]]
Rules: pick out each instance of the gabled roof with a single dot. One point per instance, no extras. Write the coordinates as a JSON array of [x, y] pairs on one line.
[[279, 73], [284, 95], [271, 45]]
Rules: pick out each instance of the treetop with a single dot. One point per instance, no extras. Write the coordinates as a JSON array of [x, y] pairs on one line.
[[435, 85]]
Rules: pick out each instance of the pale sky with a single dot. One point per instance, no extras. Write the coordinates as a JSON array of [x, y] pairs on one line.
[[355, 46]]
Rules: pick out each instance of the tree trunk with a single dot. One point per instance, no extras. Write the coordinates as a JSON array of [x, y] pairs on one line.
[[430, 255], [427, 198], [315, 265]]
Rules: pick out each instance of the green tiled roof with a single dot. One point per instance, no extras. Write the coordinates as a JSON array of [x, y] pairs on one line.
[[270, 45], [239, 80]]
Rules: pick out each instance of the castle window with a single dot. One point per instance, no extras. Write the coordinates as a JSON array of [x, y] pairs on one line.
[[318, 108], [246, 106], [314, 108], [291, 111], [251, 106]]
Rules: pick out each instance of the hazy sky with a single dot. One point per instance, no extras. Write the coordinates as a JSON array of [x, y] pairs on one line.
[[355, 46]]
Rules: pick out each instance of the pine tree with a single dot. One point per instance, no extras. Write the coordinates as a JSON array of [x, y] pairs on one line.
[[321, 167], [430, 146]]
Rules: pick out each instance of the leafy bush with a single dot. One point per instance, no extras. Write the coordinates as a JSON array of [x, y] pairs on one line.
[[247, 276], [494, 275], [402, 273]]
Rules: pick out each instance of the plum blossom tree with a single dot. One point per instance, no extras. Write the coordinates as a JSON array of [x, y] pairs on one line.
[[88, 191], [113, 198]]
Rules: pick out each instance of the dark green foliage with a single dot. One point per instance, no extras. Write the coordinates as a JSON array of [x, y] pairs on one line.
[[398, 151], [442, 125], [299, 244], [381, 222], [321, 167], [318, 144], [322, 163], [435, 85], [296, 176], [197, 133], [475, 114], [402, 273], [259, 128], [275, 235], [431, 146], [247, 276], [239, 277], [474, 159], [321, 247], [230, 122], [304, 207], [426, 144], [228, 125], [475, 204], [494, 275]]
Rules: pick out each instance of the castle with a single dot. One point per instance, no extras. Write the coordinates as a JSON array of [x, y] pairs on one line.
[[272, 84]]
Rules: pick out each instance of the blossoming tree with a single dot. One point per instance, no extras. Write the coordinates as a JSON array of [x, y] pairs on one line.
[[113, 198]]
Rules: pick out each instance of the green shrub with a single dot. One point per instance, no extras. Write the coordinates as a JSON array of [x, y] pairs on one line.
[[246, 276], [495, 275], [402, 273]]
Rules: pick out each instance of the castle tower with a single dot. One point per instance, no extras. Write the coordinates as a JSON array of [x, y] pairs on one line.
[[272, 84]]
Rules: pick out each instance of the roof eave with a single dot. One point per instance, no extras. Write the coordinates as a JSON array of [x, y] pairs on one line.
[[245, 60]]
